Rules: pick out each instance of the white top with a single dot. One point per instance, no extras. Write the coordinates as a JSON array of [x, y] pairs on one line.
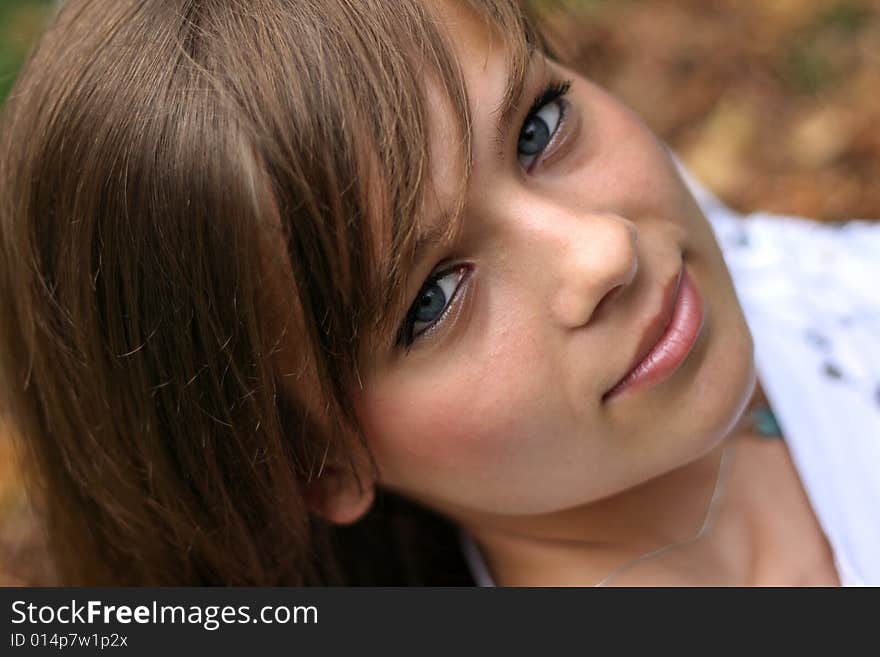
[[810, 293]]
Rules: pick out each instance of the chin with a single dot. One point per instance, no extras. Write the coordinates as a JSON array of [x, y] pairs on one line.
[[719, 391], [727, 383]]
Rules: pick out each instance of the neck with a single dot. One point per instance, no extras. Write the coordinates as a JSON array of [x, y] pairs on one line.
[[584, 544]]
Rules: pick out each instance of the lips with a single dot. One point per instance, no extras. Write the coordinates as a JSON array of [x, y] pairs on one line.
[[675, 344], [656, 327]]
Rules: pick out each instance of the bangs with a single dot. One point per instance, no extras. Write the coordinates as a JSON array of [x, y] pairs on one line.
[[377, 132], [334, 101]]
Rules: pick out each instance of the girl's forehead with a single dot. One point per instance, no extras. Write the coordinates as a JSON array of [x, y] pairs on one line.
[[473, 33], [489, 91], [494, 69]]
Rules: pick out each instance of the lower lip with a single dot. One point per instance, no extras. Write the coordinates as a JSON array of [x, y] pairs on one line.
[[674, 345]]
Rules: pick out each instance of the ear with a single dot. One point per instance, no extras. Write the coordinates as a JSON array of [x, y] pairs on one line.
[[336, 495]]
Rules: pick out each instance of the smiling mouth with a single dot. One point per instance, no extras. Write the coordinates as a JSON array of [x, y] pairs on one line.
[[668, 338]]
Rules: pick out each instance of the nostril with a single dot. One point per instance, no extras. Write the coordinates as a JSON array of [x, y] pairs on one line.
[[603, 304]]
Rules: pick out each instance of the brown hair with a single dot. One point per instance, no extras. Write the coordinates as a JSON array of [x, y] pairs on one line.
[[155, 158]]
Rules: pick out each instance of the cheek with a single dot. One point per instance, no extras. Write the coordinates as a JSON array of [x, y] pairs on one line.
[[423, 427], [625, 155], [465, 419]]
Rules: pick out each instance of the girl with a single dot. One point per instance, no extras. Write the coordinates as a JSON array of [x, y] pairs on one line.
[[309, 292]]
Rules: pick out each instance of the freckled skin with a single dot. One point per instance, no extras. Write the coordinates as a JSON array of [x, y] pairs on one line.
[[498, 414]]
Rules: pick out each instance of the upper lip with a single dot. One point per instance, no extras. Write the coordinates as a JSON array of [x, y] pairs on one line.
[[655, 328]]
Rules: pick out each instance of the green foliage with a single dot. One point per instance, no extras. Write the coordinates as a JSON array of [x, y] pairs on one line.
[[817, 58], [847, 17], [20, 23]]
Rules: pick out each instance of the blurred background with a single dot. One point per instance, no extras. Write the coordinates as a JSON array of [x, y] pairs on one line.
[[773, 104]]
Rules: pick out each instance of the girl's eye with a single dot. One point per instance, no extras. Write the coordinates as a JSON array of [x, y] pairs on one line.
[[431, 304], [541, 124]]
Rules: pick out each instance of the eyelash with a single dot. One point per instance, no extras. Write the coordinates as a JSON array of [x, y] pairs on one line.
[[552, 92]]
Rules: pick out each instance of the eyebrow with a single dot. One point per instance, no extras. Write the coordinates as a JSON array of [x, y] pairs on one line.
[[430, 238]]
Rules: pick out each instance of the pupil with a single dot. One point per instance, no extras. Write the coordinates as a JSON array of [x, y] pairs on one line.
[[534, 136], [431, 304]]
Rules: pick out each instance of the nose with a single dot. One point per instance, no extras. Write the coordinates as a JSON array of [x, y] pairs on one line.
[[597, 260]]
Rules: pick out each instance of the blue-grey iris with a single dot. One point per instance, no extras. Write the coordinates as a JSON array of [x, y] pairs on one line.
[[533, 137], [431, 303]]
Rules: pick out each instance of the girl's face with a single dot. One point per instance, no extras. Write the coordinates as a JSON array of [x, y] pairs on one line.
[[574, 225]]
